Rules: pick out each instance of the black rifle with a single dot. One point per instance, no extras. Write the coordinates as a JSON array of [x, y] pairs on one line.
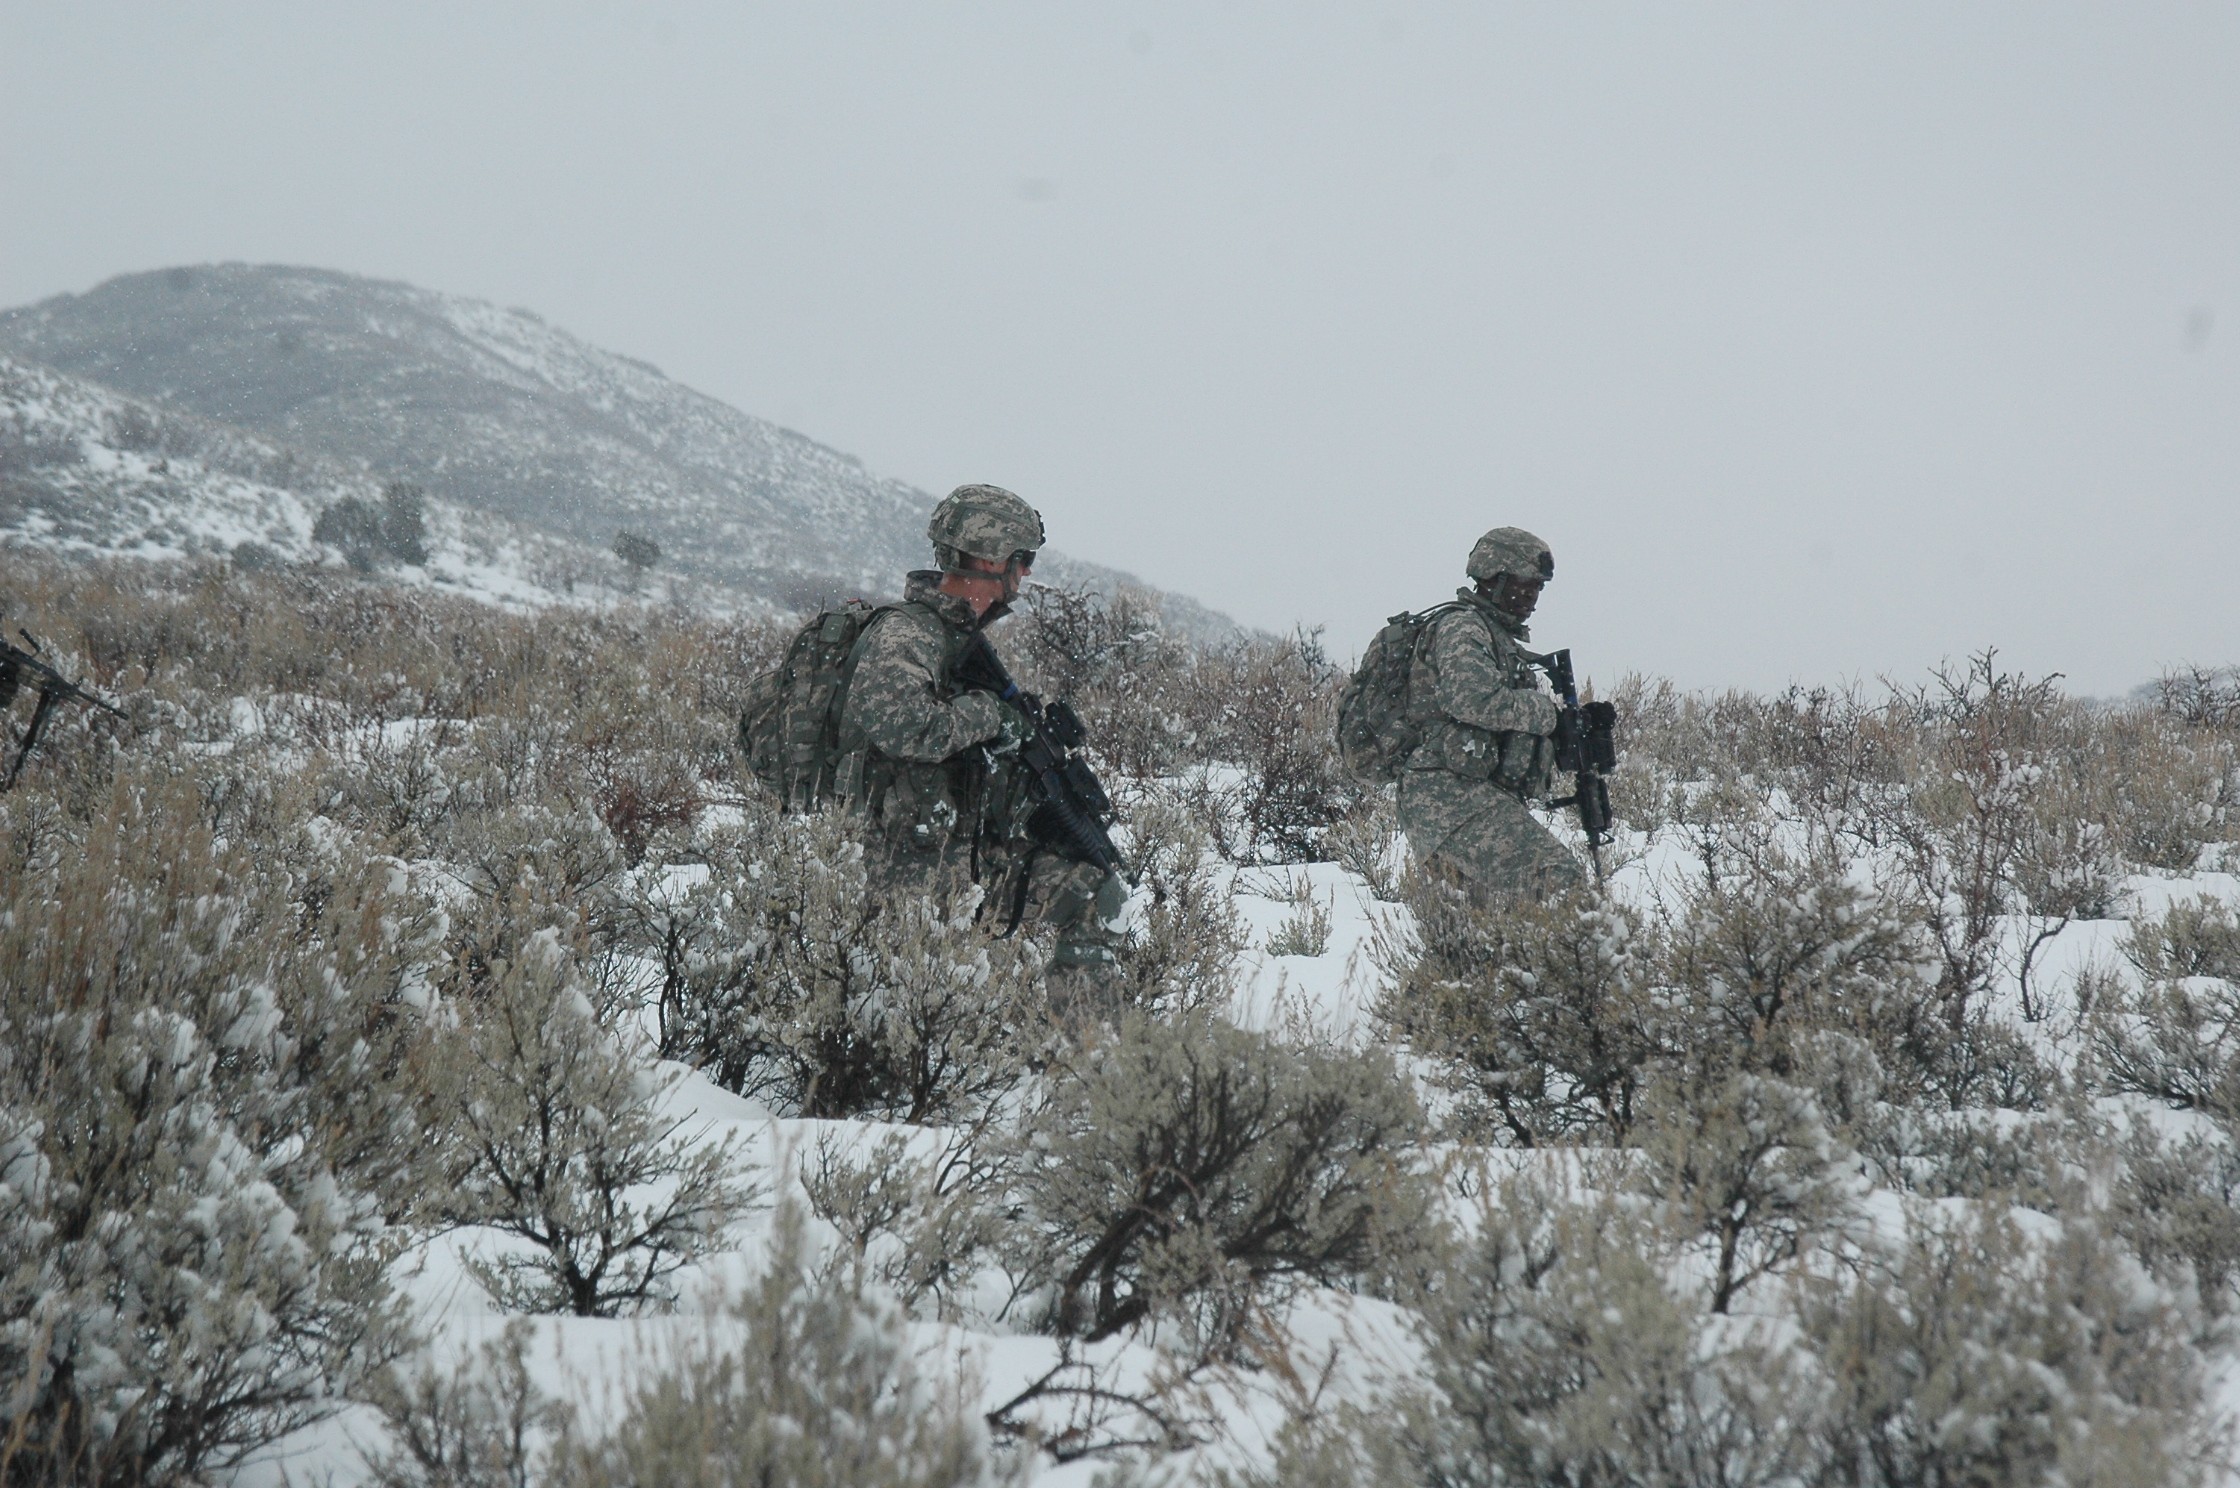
[[1586, 750], [15, 665], [1071, 810]]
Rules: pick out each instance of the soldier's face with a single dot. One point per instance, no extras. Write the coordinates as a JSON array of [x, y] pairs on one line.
[[1517, 597], [984, 581]]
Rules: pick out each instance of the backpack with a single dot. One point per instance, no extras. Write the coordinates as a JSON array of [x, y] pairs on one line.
[[789, 731], [1377, 730]]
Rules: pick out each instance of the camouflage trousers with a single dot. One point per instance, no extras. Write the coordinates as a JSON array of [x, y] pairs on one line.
[[1079, 904], [1486, 835]]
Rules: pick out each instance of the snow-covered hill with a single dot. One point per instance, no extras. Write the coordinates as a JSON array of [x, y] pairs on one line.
[[494, 411], [89, 471]]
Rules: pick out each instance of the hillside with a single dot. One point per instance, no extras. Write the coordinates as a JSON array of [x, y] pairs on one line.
[[89, 472], [496, 412]]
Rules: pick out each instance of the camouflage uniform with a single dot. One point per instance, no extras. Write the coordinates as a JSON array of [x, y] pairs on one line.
[[1487, 748], [934, 769]]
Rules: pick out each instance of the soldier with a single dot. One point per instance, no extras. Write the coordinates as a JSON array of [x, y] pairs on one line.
[[933, 765], [1488, 744]]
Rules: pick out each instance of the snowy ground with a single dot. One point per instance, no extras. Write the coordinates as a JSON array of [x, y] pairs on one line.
[[1344, 1344]]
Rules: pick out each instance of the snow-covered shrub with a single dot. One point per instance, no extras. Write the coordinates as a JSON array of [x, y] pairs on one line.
[[188, 1269], [644, 766], [395, 784], [805, 1382], [1559, 1353], [1540, 1018], [1187, 941], [1365, 844], [1770, 950], [1188, 1170], [1746, 1164], [1975, 1351], [1124, 673], [2176, 1036], [1305, 931], [919, 1225], [1341, 1447], [560, 1141], [481, 1424], [790, 971], [2162, 788], [2036, 1159], [1778, 959], [1270, 712], [2207, 696], [522, 870], [2176, 1203], [2194, 938], [1825, 749], [1976, 794], [1967, 1350]]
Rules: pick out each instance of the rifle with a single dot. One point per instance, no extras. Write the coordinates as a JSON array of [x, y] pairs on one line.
[[1586, 749], [15, 664], [1071, 810]]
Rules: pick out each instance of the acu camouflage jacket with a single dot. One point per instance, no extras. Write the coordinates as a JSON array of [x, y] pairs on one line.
[[1486, 717], [907, 731]]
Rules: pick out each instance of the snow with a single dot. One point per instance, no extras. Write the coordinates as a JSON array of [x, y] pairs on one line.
[[1358, 1342], [1347, 1345]]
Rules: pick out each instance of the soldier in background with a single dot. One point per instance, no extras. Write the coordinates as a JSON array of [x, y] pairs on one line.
[[934, 767], [1488, 745]]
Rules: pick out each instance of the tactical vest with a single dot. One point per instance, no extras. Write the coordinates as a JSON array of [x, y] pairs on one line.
[[1520, 763], [927, 805]]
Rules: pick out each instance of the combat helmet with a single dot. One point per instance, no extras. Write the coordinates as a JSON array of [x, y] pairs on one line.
[[1514, 551], [983, 522]]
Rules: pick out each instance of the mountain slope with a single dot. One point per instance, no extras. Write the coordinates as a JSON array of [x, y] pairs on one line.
[[494, 411], [489, 409], [85, 469]]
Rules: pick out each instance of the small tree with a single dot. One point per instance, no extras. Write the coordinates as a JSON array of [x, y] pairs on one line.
[[637, 551], [404, 522], [559, 1130], [1559, 1353], [1539, 1017], [369, 534], [1185, 1169], [354, 526], [788, 973], [806, 1382], [1972, 1351]]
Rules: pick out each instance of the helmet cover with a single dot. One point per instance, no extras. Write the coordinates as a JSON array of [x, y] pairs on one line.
[[1513, 551], [984, 522]]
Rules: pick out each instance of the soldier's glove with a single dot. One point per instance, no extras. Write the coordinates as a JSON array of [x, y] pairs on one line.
[[983, 714], [1015, 732], [1544, 713]]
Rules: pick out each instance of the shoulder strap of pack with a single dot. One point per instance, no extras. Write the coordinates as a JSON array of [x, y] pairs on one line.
[[855, 651], [1425, 619]]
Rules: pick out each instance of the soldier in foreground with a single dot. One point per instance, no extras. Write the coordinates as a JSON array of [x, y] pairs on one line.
[[1447, 703], [943, 766]]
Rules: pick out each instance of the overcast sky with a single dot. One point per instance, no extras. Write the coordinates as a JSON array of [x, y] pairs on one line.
[[1821, 341]]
